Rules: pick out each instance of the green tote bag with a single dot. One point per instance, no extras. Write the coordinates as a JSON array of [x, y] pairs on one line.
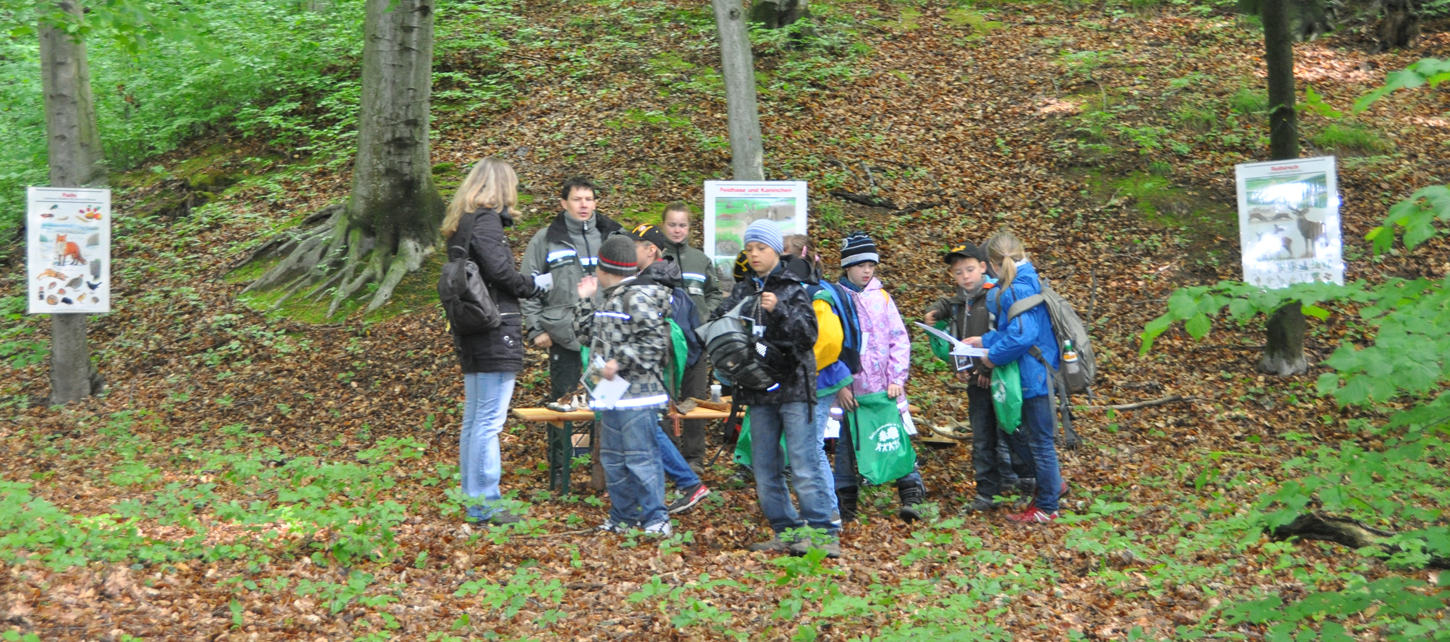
[[883, 449], [1007, 396], [743, 454]]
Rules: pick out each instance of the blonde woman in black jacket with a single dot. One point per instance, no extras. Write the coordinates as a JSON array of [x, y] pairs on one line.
[[491, 359]]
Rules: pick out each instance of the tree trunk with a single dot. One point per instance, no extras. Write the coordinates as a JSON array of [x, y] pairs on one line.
[[74, 146], [1279, 58], [1399, 27], [747, 158], [391, 219], [774, 14], [1284, 350]]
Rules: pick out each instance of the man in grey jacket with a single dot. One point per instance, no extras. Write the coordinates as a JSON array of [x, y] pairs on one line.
[[565, 251]]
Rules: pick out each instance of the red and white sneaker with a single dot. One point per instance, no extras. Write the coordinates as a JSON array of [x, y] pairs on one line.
[[1034, 515], [688, 499]]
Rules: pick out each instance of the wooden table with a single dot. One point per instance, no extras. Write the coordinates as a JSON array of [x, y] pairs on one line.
[[561, 440]]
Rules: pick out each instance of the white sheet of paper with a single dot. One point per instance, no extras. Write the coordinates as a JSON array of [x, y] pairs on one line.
[[958, 348], [544, 281], [833, 429], [608, 392]]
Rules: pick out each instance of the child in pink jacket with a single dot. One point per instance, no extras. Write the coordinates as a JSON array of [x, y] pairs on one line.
[[885, 366]]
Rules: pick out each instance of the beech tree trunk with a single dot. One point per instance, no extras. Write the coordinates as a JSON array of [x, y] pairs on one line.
[[747, 156], [74, 147], [1284, 348], [391, 218]]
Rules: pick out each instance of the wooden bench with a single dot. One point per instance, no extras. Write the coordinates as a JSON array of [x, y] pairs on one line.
[[561, 440]]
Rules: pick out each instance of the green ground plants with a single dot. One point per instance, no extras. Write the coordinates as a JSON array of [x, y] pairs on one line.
[[1400, 479], [1350, 139]]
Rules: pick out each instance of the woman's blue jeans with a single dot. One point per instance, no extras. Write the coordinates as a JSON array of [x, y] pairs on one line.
[[485, 407]]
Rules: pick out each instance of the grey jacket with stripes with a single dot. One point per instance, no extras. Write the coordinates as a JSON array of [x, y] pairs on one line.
[[552, 251], [629, 327]]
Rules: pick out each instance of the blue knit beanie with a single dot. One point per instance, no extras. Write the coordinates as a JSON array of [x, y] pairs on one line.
[[767, 232]]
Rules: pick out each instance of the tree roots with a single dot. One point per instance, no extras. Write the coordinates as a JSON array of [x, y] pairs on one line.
[[339, 258]]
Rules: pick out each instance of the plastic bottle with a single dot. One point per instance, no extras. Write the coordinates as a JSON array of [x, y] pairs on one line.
[[1069, 353]]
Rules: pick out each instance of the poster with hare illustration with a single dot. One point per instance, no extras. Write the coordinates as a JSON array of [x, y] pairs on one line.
[[1289, 222], [731, 206], [68, 247]]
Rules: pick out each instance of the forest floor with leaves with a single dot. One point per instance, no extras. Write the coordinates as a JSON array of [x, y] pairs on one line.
[[249, 476]]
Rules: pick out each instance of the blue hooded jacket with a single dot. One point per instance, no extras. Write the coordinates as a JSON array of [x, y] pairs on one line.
[[1031, 328]]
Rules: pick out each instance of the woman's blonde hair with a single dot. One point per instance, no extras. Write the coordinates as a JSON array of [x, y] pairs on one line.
[[492, 184], [1004, 250]]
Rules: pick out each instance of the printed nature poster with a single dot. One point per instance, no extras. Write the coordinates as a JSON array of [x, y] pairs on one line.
[[1289, 222], [731, 206], [68, 250]]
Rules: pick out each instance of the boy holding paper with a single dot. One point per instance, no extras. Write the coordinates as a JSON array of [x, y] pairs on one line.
[[967, 316], [626, 332]]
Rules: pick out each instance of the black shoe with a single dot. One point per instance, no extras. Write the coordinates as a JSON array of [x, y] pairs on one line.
[[743, 477], [831, 545], [979, 504], [846, 502], [911, 496], [1025, 486]]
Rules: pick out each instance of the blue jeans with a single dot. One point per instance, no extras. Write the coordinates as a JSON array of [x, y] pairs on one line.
[[485, 407], [630, 455], [1034, 439], [823, 416], [845, 473], [809, 473], [676, 468]]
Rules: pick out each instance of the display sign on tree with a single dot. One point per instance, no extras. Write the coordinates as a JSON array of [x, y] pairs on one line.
[[731, 206], [69, 250], [1289, 222]]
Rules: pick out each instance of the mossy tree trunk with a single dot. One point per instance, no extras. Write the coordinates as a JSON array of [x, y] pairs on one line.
[[74, 145], [390, 221], [1284, 349]]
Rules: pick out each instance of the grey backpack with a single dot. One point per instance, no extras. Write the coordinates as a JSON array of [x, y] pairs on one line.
[[1077, 376]]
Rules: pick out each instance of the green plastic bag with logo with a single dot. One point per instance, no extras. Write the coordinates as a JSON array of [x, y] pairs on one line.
[[743, 454], [1007, 396], [883, 449]]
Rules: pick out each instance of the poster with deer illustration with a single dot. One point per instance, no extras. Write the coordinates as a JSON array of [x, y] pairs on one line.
[[1289, 222], [731, 206], [68, 247]]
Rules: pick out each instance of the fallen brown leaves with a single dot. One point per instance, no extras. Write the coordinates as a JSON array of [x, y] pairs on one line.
[[933, 118]]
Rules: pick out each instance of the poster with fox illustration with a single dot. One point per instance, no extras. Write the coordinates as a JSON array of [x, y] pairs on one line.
[[68, 247], [1289, 222]]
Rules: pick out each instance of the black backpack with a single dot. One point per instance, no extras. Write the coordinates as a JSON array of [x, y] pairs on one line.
[[687, 316], [461, 289], [741, 358]]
